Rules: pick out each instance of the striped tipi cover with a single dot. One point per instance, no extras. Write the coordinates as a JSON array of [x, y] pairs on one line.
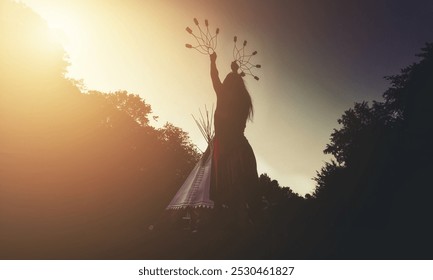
[[195, 190]]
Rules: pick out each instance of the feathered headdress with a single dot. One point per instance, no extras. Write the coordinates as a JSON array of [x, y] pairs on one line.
[[243, 60], [207, 43]]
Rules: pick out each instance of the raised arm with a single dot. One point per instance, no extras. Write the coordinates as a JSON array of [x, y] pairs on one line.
[[216, 82]]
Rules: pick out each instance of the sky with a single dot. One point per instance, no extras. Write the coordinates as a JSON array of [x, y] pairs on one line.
[[317, 57]]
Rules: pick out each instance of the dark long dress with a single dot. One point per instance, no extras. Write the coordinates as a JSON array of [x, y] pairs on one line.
[[234, 169]]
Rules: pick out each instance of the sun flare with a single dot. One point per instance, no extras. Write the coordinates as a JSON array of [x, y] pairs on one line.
[[63, 23]]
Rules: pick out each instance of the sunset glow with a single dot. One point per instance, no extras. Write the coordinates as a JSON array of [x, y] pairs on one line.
[[139, 46], [102, 117]]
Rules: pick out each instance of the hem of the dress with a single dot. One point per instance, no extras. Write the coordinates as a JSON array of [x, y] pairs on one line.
[[181, 207]]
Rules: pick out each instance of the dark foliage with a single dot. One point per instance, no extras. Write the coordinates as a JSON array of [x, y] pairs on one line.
[[378, 192]]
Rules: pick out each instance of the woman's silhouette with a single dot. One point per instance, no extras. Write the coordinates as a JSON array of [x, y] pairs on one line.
[[234, 169]]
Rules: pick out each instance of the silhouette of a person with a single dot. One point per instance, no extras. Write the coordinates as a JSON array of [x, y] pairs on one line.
[[234, 176]]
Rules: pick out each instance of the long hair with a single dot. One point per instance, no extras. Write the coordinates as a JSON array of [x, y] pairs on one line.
[[234, 86]]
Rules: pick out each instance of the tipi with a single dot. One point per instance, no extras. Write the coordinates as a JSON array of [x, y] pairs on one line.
[[195, 190]]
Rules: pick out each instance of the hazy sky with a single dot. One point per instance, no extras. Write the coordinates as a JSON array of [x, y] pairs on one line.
[[317, 57]]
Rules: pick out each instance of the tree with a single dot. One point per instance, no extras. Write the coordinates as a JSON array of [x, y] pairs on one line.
[[383, 152], [130, 104], [82, 172]]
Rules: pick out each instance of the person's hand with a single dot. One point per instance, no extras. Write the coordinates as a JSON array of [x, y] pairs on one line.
[[213, 56]]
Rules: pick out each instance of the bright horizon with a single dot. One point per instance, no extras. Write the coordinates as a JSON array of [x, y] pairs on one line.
[[138, 46]]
